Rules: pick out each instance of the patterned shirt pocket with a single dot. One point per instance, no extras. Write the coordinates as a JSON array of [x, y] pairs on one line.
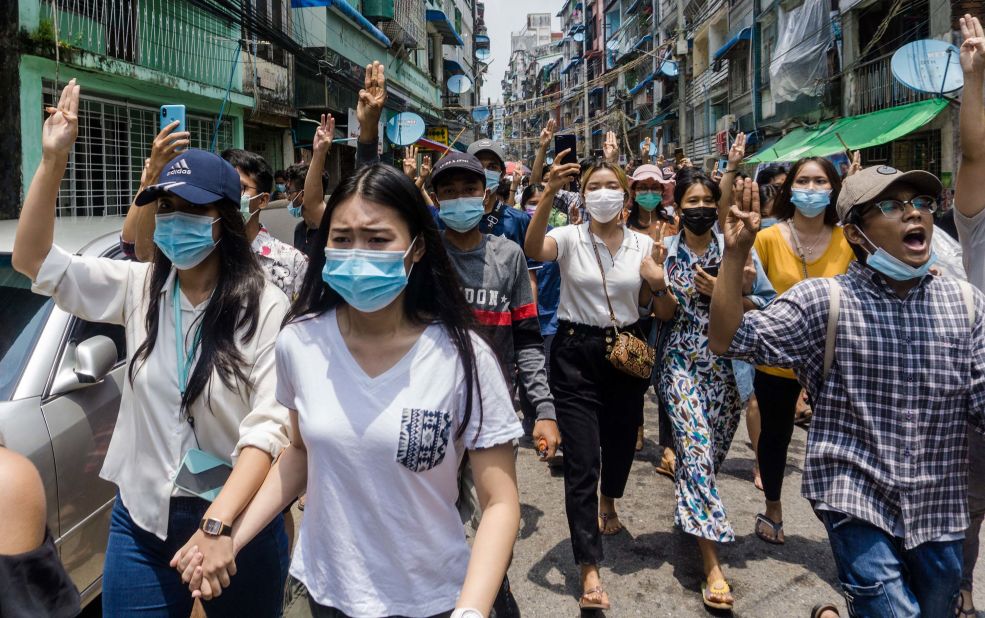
[[423, 438]]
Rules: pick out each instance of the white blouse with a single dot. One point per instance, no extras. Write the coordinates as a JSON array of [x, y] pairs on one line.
[[151, 437], [582, 298]]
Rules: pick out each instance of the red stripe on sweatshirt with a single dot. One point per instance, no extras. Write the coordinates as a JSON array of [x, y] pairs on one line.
[[492, 318], [525, 312]]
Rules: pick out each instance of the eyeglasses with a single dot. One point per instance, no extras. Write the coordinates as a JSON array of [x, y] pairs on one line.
[[894, 209]]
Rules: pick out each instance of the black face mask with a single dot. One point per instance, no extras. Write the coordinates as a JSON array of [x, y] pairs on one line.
[[699, 220]]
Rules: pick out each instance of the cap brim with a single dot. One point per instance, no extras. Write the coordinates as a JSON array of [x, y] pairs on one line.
[[649, 176], [189, 193]]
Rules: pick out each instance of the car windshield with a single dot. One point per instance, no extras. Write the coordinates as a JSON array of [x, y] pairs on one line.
[[22, 316]]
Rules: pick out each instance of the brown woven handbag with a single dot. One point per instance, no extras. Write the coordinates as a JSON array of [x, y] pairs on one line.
[[630, 355]]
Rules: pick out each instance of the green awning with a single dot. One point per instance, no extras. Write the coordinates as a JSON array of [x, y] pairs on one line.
[[857, 132]]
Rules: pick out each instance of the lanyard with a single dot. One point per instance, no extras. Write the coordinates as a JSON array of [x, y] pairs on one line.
[[494, 217], [185, 358]]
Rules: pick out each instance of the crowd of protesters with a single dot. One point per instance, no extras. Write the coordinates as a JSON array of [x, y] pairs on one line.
[[375, 367]]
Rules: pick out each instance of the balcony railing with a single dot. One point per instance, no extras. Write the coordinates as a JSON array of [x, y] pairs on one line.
[[170, 36], [876, 88]]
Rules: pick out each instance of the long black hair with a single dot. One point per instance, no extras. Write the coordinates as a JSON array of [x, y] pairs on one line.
[[234, 307], [784, 209], [433, 294], [688, 177]]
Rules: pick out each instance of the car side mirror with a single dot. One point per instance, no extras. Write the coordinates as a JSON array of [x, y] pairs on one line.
[[88, 363]]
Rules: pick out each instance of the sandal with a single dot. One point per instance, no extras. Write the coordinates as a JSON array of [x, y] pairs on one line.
[[718, 589], [605, 518], [820, 608], [667, 467], [594, 598], [763, 522], [959, 609]]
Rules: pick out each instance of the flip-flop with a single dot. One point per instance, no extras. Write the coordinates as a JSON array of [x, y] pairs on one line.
[[777, 528], [606, 517], [820, 608], [603, 599], [719, 588]]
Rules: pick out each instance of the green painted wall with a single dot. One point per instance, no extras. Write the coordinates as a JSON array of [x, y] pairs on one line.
[[118, 80]]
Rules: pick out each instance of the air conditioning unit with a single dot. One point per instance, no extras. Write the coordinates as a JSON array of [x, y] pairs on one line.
[[725, 122]]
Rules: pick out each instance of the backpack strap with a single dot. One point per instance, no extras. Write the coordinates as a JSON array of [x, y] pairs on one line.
[[834, 310], [968, 294]]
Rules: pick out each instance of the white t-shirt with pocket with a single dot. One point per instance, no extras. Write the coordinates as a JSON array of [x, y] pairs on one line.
[[381, 535]]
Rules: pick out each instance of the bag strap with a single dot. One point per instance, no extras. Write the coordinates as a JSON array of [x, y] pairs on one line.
[[834, 309], [598, 259], [968, 294]]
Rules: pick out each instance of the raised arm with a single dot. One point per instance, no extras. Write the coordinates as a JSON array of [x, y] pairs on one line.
[[368, 111], [36, 226], [546, 135], [138, 228], [740, 229], [968, 196], [537, 245], [314, 190], [735, 155]]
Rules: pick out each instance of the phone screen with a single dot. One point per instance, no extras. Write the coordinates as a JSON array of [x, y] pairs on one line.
[[565, 142]]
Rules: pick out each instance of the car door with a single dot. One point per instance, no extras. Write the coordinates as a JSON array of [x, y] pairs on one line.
[[81, 423]]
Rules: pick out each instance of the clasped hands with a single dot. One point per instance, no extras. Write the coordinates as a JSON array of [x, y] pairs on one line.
[[206, 564]]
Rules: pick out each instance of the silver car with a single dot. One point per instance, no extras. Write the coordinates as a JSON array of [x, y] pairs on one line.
[[60, 384]]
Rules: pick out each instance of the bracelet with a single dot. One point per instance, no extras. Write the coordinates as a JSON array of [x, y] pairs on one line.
[[659, 293], [464, 612], [728, 171]]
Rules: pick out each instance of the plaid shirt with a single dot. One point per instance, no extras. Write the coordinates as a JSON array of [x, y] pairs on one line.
[[888, 441], [566, 200]]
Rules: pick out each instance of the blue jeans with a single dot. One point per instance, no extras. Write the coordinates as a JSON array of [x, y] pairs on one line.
[[137, 580], [881, 579]]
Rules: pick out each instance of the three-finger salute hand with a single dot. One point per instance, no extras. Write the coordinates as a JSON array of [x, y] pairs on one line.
[[738, 151], [547, 133], [61, 129], [973, 46], [410, 162], [372, 96], [610, 149], [324, 135], [743, 220]]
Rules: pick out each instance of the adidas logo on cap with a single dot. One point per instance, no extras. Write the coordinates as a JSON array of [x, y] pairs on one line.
[[181, 167]]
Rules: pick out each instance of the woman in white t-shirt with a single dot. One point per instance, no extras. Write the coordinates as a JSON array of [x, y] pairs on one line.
[[599, 408], [200, 324], [388, 388]]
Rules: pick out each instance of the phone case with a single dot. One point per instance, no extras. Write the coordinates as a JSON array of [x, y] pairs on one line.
[[202, 474]]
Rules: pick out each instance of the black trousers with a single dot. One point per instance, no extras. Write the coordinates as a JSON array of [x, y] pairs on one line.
[[599, 410], [777, 405]]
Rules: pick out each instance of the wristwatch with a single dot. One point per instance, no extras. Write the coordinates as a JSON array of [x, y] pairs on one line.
[[215, 527]]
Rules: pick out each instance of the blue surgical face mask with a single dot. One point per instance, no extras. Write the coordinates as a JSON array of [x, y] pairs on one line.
[[463, 213], [295, 211], [367, 280], [892, 267], [492, 179], [767, 222], [281, 187], [244, 206], [183, 238], [810, 203]]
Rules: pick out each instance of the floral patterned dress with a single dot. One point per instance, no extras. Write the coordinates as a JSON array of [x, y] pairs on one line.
[[698, 388]]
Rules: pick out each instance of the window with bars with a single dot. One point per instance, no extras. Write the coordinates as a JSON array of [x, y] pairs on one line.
[[115, 138]]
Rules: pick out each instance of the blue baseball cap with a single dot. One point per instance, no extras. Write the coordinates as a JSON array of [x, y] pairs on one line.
[[196, 176]]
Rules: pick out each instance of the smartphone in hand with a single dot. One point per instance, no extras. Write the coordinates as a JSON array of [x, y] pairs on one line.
[[170, 113], [566, 142]]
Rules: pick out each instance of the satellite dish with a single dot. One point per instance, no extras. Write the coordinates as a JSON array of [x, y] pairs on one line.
[[928, 65], [405, 128], [480, 114], [459, 84], [578, 36], [669, 68], [653, 147], [483, 53]]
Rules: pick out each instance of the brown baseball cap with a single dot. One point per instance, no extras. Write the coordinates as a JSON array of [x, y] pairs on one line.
[[872, 182]]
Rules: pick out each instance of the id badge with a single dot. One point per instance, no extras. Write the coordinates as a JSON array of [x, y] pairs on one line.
[[202, 474]]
